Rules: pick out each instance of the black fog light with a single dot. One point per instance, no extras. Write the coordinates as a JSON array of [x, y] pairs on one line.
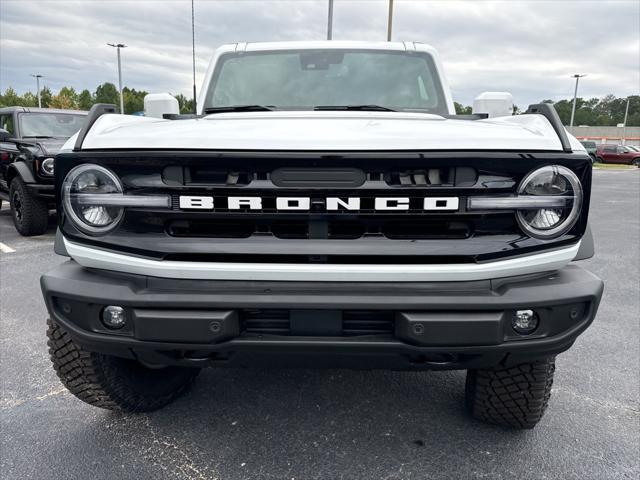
[[524, 322], [114, 317]]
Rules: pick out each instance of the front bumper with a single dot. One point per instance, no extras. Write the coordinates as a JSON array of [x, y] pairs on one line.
[[42, 190], [356, 324]]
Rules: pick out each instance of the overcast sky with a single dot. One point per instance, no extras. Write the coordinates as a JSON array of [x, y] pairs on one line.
[[529, 48]]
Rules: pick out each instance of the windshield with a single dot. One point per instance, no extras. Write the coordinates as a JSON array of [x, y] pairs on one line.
[[303, 79], [58, 125]]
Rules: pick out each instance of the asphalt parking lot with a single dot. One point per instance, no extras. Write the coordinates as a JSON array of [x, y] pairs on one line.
[[332, 424]]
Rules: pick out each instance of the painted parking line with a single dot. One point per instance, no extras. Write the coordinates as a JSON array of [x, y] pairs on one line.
[[6, 248]]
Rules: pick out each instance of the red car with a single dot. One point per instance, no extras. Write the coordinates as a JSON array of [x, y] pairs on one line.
[[617, 154]]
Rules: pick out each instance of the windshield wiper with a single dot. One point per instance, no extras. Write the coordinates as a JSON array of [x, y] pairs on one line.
[[361, 108], [39, 136], [239, 108]]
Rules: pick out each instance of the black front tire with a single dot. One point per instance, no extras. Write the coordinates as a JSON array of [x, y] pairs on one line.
[[636, 162], [30, 214], [114, 383], [514, 397]]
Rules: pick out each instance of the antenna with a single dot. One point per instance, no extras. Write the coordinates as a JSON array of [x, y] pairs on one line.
[[193, 50], [330, 21]]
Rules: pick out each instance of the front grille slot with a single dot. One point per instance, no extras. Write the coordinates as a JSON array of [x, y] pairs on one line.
[[367, 322], [334, 229], [265, 321], [354, 322], [434, 177], [290, 229], [211, 228], [425, 230], [205, 176]]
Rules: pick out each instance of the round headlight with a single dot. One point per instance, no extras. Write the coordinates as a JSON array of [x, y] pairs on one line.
[[88, 182], [46, 167], [554, 180]]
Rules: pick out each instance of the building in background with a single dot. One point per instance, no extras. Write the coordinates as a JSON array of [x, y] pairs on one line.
[[612, 135]]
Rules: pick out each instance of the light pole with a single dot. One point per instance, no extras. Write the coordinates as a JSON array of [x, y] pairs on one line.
[[624, 130], [37, 76], [193, 56], [330, 21], [118, 46], [390, 20], [577, 76]]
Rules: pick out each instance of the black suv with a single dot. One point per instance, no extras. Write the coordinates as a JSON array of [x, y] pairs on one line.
[[29, 140]]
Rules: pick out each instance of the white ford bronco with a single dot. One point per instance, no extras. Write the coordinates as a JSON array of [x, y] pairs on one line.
[[325, 207]]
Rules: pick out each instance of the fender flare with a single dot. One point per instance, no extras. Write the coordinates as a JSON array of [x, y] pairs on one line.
[[21, 169]]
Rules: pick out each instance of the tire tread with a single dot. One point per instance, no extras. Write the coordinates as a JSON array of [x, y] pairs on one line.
[[515, 396], [100, 380], [35, 212]]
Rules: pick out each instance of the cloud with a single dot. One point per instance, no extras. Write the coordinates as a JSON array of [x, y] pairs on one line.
[[527, 47]]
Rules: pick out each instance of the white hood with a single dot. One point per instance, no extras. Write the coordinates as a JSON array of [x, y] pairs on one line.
[[347, 131]]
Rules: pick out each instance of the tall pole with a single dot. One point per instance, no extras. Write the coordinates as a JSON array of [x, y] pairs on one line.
[[330, 21], [577, 76], [37, 76], [118, 46], [624, 130], [390, 21], [193, 53]]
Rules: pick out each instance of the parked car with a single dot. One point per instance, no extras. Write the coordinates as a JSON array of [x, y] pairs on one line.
[[326, 208], [29, 140], [591, 148], [617, 154]]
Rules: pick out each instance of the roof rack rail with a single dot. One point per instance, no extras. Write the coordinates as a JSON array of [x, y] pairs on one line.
[[96, 112], [548, 111]]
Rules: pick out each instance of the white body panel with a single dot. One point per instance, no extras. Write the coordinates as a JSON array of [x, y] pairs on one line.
[[323, 131], [104, 260]]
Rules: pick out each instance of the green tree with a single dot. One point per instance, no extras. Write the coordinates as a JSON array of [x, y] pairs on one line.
[[85, 100], [62, 101], [46, 96], [66, 99], [634, 111], [461, 109], [133, 100], [606, 111], [10, 98], [186, 104], [107, 93], [29, 100]]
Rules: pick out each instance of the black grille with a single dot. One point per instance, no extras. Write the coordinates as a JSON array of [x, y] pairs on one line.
[[354, 322], [323, 235]]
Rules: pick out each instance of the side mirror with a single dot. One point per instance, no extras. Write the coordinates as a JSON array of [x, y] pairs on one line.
[[494, 104], [4, 135], [158, 104]]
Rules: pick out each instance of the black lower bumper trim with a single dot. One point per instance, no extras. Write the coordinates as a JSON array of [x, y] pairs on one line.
[[368, 325], [43, 190]]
